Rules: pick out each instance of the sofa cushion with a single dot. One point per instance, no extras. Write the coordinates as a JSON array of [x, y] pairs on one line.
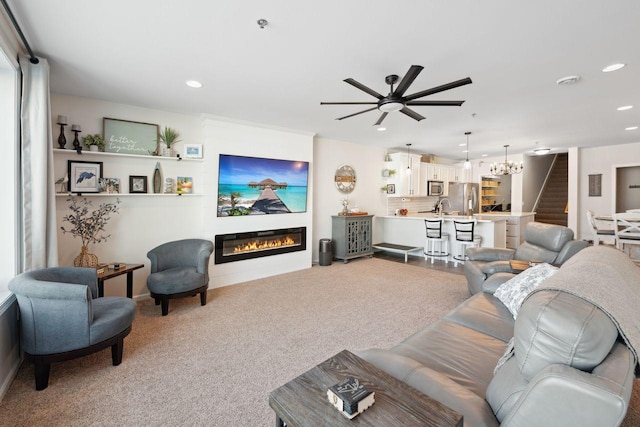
[[434, 384], [556, 327], [465, 356], [515, 290], [484, 313]]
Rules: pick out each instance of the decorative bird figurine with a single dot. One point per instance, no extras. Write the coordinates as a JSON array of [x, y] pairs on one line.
[[85, 175]]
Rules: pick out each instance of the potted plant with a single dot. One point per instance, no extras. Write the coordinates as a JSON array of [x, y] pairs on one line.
[[167, 138], [89, 226], [94, 142]]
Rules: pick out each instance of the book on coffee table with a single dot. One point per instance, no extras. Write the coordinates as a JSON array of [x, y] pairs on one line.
[[350, 397]]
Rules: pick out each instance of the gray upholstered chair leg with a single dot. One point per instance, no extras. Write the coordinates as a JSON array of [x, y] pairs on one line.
[[42, 370], [203, 298], [165, 305]]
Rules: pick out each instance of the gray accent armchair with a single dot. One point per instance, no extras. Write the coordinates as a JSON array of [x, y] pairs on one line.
[[548, 243], [62, 318], [179, 269]]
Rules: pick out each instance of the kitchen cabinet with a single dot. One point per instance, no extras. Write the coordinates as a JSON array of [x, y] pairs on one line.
[[407, 184], [351, 236]]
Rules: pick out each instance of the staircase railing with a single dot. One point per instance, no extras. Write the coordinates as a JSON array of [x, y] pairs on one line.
[[544, 184]]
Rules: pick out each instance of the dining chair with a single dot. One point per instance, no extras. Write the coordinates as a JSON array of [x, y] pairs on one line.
[[627, 229], [606, 236]]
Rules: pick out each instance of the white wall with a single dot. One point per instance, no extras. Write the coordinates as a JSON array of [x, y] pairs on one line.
[[368, 163], [248, 139], [601, 160], [144, 222]]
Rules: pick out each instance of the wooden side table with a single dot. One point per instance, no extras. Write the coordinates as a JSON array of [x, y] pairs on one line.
[[303, 400], [110, 273]]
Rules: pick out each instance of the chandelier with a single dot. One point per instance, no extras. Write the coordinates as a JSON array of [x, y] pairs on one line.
[[507, 167]]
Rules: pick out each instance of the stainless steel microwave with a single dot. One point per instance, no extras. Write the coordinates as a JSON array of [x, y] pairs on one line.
[[435, 188]]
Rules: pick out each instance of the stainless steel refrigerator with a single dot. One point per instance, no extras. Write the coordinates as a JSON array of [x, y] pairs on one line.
[[464, 198]]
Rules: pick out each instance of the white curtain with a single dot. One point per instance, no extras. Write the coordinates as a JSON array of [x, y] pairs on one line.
[[39, 231]]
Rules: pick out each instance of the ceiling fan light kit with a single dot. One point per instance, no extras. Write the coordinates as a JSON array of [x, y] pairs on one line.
[[396, 99]]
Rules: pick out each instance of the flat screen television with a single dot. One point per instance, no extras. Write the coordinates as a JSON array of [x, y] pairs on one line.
[[260, 186]]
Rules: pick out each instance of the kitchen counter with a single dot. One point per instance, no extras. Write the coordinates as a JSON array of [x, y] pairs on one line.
[[409, 230], [506, 214], [422, 216]]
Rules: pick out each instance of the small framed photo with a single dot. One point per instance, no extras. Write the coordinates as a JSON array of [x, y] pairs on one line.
[[391, 189], [193, 151], [109, 185], [84, 177], [137, 184]]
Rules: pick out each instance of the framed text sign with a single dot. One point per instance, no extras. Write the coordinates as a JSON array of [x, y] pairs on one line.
[[126, 137]]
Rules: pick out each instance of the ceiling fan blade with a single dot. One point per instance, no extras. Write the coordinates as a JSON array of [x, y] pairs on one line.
[[437, 89], [363, 88], [355, 114], [382, 116], [409, 112], [407, 80], [437, 103], [348, 103]]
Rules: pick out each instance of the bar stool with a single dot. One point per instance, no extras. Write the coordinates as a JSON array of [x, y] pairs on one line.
[[466, 237], [435, 236]]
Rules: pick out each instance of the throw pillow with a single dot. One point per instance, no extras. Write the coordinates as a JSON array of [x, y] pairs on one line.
[[513, 292]]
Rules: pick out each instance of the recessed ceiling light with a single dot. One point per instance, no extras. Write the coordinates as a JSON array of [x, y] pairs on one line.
[[193, 83], [462, 145], [625, 107], [485, 155], [381, 129], [541, 151], [465, 151], [569, 80], [631, 128], [612, 67]]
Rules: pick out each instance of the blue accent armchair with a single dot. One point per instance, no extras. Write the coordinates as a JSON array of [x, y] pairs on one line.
[[62, 318], [179, 269]]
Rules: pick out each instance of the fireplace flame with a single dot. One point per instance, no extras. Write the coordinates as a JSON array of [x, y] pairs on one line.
[[259, 245]]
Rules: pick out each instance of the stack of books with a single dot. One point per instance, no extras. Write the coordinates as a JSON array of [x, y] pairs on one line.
[[350, 397]]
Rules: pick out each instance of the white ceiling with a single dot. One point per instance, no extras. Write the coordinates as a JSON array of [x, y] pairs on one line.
[[141, 53]]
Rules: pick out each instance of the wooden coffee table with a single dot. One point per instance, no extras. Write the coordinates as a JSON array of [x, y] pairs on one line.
[[303, 400]]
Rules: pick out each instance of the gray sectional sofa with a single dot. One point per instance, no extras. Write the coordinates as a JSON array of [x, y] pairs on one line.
[[573, 358]]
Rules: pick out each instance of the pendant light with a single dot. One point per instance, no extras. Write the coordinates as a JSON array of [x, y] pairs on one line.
[[408, 160], [467, 163]]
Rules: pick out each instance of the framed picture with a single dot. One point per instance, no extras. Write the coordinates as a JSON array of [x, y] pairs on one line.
[[84, 177], [126, 137], [193, 151], [185, 185], [137, 184], [391, 189], [109, 185], [595, 185]]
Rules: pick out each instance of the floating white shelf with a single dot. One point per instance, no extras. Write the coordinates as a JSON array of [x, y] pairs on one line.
[[138, 156], [129, 195]]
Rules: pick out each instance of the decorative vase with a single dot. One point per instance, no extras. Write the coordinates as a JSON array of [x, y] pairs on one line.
[[85, 259], [94, 148]]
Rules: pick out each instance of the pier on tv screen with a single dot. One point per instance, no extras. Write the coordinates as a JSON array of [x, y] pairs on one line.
[[260, 186]]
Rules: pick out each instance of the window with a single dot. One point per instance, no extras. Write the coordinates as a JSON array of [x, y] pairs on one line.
[[9, 173]]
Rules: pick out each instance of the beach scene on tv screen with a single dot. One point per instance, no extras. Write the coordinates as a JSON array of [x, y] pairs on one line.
[[259, 186]]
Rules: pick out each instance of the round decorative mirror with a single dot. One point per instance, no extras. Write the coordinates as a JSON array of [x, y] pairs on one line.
[[345, 179]]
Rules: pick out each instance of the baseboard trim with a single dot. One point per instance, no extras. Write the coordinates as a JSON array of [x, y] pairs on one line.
[[9, 378]]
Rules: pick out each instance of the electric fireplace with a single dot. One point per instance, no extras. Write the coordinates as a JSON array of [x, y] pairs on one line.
[[256, 244]]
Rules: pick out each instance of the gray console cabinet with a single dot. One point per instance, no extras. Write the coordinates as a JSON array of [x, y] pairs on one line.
[[351, 236]]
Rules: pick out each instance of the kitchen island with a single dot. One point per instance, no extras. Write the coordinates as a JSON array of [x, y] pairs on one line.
[[409, 230]]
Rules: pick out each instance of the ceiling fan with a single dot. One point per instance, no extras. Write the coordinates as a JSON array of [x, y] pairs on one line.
[[396, 101]]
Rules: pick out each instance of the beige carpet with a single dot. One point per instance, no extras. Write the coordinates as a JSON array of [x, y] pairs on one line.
[[215, 365]]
